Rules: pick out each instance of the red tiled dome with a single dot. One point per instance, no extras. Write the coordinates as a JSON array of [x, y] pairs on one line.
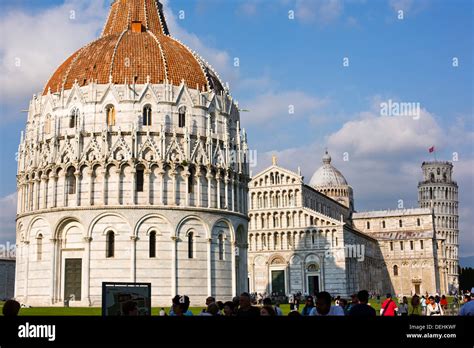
[[135, 46]]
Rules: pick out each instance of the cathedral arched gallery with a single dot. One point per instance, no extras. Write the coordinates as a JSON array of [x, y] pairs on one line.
[[133, 167]]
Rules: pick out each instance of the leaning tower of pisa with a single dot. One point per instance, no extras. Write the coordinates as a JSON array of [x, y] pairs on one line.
[[439, 191]]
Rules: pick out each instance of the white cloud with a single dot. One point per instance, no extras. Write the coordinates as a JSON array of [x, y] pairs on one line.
[[34, 44], [279, 106], [7, 217], [321, 11], [220, 60], [373, 134]]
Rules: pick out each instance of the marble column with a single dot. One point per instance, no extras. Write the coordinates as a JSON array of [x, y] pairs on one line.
[[218, 189], [25, 273], [52, 290], [65, 189], [186, 176], [147, 185], [198, 184], [226, 182], [33, 194], [209, 266], [234, 267], [209, 188], [44, 203], [104, 186], [90, 172], [78, 187], [161, 173], [173, 174], [37, 193], [238, 195], [55, 191], [86, 265], [133, 186], [232, 194], [118, 174], [133, 258], [174, 272]]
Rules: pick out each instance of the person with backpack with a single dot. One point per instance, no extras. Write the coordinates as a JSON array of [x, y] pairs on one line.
[[389, 307]]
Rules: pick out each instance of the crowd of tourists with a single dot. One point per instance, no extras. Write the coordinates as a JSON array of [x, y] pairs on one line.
[[323, 304]]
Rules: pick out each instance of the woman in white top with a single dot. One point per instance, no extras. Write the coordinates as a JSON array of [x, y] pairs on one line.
[[434, 308]]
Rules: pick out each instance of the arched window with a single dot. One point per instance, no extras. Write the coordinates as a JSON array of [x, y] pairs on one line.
[[190, 245], [39, 247], [432, 177], [221, 247], [383, 224], [147, 115], [71, 181], [140, 175], [110, 115], [182, 117], [73, 118], [431, 193], [411, 245], [110, 247], [401, 246], [438, 171], [446, 194], [421, 244], [152, 246], [400, 223], [391, 246], [418, 222], [395, 270], [368, 225]]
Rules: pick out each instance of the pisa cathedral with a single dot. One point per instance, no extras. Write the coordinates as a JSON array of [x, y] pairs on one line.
[[133, 167], [308, 237]]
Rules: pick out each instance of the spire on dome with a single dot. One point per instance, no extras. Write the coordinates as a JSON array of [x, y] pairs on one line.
[[129, 14]]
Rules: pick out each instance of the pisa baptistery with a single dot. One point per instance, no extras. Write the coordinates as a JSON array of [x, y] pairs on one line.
[[132, 168]]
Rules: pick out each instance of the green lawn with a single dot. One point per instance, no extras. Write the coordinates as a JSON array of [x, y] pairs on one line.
[[84, 311]]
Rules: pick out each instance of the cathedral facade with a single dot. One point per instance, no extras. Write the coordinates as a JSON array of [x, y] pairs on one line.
[[308, 237], [133, 168]]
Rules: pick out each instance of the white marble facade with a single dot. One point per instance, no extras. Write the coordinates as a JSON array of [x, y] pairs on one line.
[[164, 168], [300, 236]]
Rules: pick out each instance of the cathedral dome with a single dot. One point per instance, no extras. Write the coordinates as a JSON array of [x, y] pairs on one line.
[[327, 175], [135, 48]]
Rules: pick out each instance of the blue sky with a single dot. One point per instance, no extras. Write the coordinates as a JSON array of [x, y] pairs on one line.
[[296, 62]]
